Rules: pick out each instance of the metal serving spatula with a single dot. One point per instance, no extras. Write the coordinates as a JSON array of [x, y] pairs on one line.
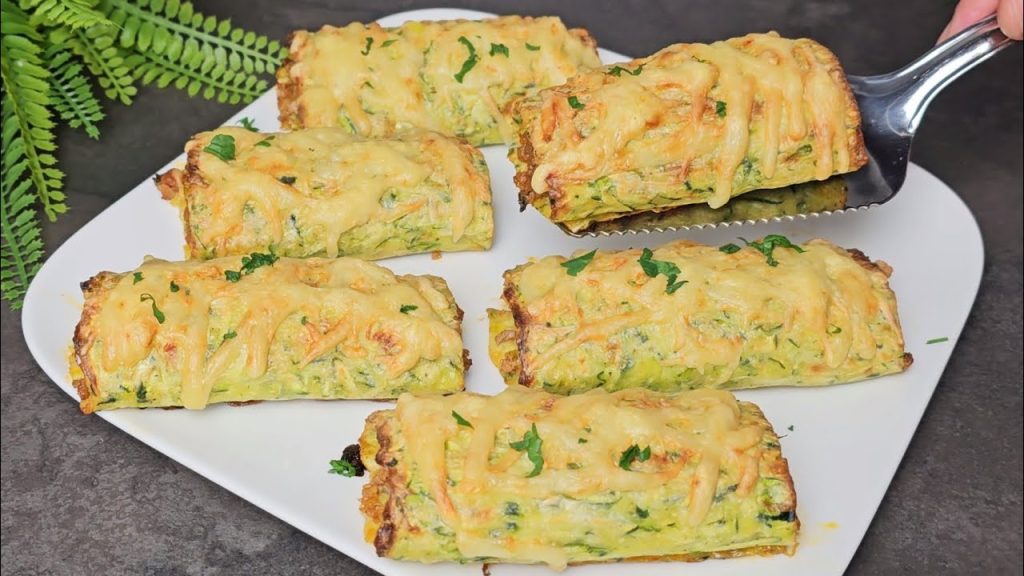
[[891, 107]]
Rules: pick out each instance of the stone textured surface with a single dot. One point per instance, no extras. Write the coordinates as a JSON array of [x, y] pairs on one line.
[[80, 497]]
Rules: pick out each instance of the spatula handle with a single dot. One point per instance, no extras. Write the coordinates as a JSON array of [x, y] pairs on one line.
[[913, 87]]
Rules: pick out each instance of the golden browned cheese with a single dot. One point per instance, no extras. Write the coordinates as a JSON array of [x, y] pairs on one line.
[[324, 192], [454, 77], [530, 477], [691, 316], [260, 328], [691, 124]]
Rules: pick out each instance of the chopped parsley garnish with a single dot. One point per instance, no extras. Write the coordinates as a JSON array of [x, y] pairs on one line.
[[249, 265], [229, 335], [575, 103], [618, 70], [248, 124], [174, 287], [634, 453], [471, 60], [581, 440], [938, 340], [156, 311], [769, 243], [460, 420], [577, 264], [531, 444], [642, 513], [265, 142], [287, 179], [136, 278], [531, 47], [790, 428], [511, 509], [499, 49], [833, 329], [140, 393], [406, 308], [342, 467], [222, 146], [350, 464], [729, 248], [366, 50], [720, 108], [388, 42], [654, 267]]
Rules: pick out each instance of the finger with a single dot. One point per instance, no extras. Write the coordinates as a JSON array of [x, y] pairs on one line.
[[968, 12], [1009, 16]]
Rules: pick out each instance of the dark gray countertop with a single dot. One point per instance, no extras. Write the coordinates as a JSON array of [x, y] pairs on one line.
[[80, 497]]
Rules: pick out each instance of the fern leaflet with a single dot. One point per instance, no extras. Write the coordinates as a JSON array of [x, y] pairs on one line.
[[70, 13], [26, 86], [71, 93], [165, 27], [21, 247], [106, 61], [47, 46], [228, 87], [195, 51]]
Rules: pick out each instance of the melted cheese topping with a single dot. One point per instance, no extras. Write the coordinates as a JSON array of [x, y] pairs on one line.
[[703, 123], [375, 81], [818, 317], [308, 192], [483, 492], [273, 325]]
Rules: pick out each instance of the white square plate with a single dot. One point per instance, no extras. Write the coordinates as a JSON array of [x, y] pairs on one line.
[[844, 447]]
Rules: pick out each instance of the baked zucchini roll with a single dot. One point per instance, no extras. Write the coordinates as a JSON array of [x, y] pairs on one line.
[[530, 477], [692, 124], [263, 328], [324, 192], [454, 77], [771, 313]]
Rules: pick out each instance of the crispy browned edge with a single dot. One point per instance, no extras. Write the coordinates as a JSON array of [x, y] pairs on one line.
[[95, 291], [389, 481], [292, 115], [388, 516], [883, 268], [288, 108], [177, 187], [507, 363], [521, 317], [855, 141]]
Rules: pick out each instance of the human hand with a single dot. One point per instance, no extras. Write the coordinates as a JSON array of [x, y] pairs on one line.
[[1008, 14]]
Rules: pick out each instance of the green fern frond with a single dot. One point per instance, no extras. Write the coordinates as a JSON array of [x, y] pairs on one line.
[[21, 247], [105, 60], [227, 86], [194, 51], [71, 13], [26, 83], [71, 93], [46, 47]]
